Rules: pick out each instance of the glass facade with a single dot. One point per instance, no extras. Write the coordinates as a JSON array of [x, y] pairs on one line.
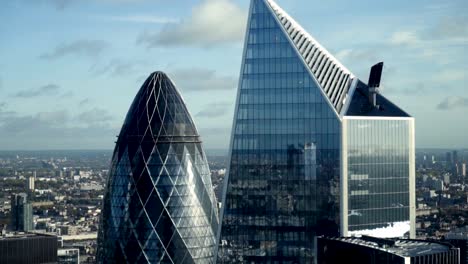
[[378, 169], [282, 187], [21, 217], [291, 149], [159, 205]]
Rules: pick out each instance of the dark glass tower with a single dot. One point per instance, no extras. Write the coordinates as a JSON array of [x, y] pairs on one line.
[[159, 205], [294, 167], [21, 213]]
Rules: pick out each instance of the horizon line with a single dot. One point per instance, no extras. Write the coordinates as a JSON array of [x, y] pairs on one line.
[[103, 149]]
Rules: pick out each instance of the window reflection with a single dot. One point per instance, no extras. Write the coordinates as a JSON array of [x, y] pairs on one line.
[[378, 173], [284, 170]]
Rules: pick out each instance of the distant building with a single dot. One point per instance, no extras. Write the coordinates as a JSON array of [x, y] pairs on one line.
[[68, 256], [455, 157], [456, 170], [430, 194], [21, 213], [370, 250], [448, 160], [59, 174], [68, 230], [28, 249], [464, 169], [31, 181], [70, 173], [447, 178], [437, 185]]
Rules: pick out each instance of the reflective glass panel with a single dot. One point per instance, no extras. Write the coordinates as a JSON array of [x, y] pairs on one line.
[[282, 187], [378, 176]]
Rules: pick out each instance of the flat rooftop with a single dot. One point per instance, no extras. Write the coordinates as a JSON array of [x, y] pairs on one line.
[[19, 236], [400, 247]]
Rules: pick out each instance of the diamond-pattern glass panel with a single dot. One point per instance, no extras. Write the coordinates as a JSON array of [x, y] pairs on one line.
[[159, 206]]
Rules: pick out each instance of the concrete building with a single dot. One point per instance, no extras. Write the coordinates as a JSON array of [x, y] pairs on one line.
[[68, 256], [31, 181], [67, 230]]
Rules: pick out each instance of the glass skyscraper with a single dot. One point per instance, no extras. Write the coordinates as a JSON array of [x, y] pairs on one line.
[[21, 216], [159, 204], [311, 154]]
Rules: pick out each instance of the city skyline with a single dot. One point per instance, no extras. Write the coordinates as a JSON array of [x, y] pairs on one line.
[[84, 50]]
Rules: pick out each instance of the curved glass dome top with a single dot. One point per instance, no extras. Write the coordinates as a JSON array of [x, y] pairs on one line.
[[159, 204], [159, 108]]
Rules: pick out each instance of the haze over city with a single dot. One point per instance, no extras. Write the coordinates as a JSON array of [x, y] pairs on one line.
[[70, 69]]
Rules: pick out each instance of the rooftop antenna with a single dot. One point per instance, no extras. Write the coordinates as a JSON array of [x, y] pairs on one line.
[[374, 82]]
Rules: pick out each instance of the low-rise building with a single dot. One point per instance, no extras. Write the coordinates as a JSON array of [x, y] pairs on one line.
[[67, 230], [68, 256]]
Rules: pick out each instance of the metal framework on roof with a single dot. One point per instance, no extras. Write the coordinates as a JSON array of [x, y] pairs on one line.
[[334, 78]]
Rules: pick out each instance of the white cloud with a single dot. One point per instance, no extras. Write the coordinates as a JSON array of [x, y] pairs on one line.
[[214, 110], [46, 90], [82, 47], [95, 117], [201, 79], [363, 54], [56, 129], [446, 31], [142, 19], [450, 28], [440, 43], [65, 4], [453, 102], [404, 38], [450, 75], [343, 54], [212, 22], [54, 118], [118, 67]]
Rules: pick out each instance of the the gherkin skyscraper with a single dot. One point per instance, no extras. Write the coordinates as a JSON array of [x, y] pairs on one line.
[[159, 206]]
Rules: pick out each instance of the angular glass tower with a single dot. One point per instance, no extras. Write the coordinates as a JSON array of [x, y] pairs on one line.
[[159, 205], [310, 154]]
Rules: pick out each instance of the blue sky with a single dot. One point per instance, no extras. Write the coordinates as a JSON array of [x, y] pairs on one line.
[[69, 69]]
